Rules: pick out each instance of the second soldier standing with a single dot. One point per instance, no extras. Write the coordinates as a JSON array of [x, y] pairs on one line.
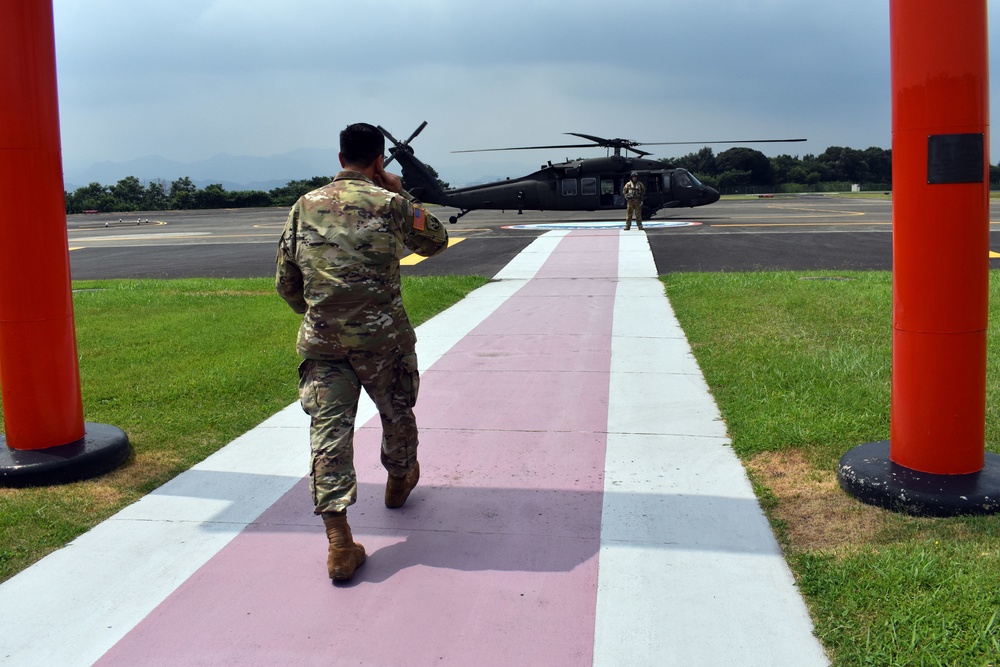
[[338, 266], [635, 192]]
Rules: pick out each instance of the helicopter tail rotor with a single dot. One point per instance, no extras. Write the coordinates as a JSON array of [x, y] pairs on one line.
[[400, 145]]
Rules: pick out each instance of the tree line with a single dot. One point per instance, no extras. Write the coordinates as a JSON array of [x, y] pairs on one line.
[[131, 194], [745, 167], [733, 170], [836, 168]]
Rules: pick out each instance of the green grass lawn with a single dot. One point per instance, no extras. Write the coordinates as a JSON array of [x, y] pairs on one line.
[[183, 367], [800, 364]]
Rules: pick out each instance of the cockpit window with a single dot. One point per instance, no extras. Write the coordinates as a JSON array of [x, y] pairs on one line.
[[683, 179]]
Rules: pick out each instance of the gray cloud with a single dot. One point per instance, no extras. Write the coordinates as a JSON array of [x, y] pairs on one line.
[[187, 79]]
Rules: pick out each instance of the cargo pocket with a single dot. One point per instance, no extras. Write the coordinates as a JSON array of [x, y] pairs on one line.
[[307, 393], [407, 378]]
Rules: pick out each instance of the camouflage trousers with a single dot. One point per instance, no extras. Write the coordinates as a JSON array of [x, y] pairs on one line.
[[633, 207], [329, 392]]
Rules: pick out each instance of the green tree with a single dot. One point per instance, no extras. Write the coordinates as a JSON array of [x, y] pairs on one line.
[[288, 194], [182, 193], [740, 159], [735, 178], [879, 164], [156, 198], [130, 194], [702, 163], [845, 164], [92, 197], [249, 199], [212, 196], [781, 167]]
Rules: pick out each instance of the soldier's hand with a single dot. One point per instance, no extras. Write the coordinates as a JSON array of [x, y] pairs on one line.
[[390, 182]]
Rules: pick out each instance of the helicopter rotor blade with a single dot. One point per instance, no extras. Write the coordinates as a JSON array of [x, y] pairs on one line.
[[596, 140], [415, 133], [525, 148], [405, 145], [745, 141], [395, 143], [622, 144], [388, 135]]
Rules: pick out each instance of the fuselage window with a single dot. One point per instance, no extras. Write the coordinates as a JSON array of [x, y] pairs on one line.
[[569, 187], [588, 186]]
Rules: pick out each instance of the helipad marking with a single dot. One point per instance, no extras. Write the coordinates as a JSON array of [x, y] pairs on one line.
[[410, 260], [603, 224]]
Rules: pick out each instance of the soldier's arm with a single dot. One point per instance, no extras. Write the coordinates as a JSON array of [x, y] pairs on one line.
[[287, 275], [422, 232]]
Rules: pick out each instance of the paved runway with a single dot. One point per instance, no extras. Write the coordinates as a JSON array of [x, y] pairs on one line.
[[799, 233], [579, 505]]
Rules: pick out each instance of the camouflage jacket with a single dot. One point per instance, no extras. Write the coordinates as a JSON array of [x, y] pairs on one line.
[[635, 190], [338, 265]]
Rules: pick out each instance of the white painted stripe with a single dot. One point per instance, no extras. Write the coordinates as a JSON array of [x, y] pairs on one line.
[[75, 604], [690, 573], [142, 237]]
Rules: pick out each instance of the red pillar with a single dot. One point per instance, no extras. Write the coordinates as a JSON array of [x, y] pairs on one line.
[[39, 369], [935, 462], [940, 122]]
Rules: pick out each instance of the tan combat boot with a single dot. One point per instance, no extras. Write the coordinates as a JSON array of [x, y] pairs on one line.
[[397, 489], [345, 554]]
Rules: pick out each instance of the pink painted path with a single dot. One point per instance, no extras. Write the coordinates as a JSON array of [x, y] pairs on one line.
[[494, 559]]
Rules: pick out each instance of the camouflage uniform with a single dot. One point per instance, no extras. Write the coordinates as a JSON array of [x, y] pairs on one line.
[[338, 266], [634, 193]]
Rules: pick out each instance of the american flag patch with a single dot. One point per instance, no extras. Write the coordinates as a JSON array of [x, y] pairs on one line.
[[418, 218]]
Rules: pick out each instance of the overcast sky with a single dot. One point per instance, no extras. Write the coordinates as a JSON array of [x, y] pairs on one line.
[[188, 79]]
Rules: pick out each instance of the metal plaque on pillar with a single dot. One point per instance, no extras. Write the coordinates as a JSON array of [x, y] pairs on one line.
[[954, 158]]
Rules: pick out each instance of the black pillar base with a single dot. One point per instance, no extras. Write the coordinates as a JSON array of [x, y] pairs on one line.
[[101, 450], [867, 473]]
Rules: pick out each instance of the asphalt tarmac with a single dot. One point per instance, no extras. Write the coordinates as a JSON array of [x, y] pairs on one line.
[[804, 232]]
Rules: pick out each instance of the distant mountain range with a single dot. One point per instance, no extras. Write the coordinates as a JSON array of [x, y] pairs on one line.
[[235, 172]]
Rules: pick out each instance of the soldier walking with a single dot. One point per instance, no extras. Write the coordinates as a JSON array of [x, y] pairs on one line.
[[635, 192], [338, 266]]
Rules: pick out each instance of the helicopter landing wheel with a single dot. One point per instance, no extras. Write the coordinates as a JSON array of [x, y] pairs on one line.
[[453, 219]]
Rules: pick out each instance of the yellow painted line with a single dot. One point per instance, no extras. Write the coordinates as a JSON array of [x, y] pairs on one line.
[[77, 248], [410, 260], [994, 254]]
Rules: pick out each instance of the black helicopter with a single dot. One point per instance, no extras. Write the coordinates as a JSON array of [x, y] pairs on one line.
[[591, 184]]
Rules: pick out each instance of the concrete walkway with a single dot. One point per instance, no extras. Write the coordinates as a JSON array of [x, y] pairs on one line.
[[579, 505]]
